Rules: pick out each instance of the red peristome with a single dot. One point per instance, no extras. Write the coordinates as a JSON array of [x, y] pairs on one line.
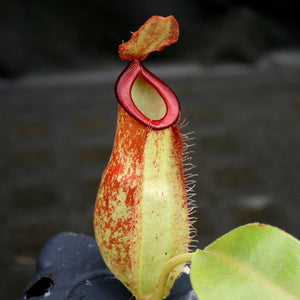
[[123, 93]]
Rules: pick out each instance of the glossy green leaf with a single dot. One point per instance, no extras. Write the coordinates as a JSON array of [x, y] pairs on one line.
[[254, 261]]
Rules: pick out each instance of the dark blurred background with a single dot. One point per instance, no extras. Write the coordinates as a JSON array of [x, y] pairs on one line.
[[235, 69], [60, 35]]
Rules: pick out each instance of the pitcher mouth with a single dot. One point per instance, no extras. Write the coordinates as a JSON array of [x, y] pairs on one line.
[[162, 109]]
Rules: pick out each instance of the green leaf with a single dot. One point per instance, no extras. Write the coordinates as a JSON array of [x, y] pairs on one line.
[[254, 261]]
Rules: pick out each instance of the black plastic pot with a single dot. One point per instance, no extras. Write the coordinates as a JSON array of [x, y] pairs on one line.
[[70, 267]]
